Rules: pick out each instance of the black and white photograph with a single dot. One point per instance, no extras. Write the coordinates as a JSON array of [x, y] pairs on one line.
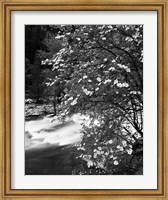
[[84, 99]]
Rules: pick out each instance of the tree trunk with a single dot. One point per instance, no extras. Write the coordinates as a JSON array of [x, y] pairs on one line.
[[54, 106]]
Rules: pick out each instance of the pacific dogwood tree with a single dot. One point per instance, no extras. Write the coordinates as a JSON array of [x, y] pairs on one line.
[[101, 67]]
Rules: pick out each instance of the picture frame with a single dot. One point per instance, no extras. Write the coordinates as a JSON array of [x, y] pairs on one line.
[[7, 6]]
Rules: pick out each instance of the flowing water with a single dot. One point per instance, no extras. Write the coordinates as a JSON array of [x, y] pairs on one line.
[[49, 146]]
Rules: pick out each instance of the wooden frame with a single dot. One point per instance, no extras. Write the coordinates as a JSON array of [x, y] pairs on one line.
[[9, 5]]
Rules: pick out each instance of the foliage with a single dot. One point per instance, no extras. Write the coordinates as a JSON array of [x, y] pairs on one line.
[[34, 111], [101, 69]]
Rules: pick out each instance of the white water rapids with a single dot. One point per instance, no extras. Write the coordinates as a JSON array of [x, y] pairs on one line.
[[42, 132]]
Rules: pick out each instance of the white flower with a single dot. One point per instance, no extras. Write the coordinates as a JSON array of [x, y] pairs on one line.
[[107, 81], [119, 65], [98, 152], [103, 38], [126, 85], [120, 148], [119, 85], [124, 143], [87, 123], [87, 92], [105, 59], [106, 153], [99, 148], [111, 69], [133, 92], [59, 36], [116, 81], [71, 98], [109, 26], [90, 163], [124, 67], [89, 156], [95, 155], [84, 77], [116, 162], [100, 165], [110, 141], [98, 79], [74, 102], [122, 85], [129, 151], [96, 122]]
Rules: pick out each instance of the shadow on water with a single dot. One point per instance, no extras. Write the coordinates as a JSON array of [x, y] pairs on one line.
[[33, 117], [50, 160]]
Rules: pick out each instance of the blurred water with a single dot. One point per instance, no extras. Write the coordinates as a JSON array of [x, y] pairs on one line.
[[40, 132]]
